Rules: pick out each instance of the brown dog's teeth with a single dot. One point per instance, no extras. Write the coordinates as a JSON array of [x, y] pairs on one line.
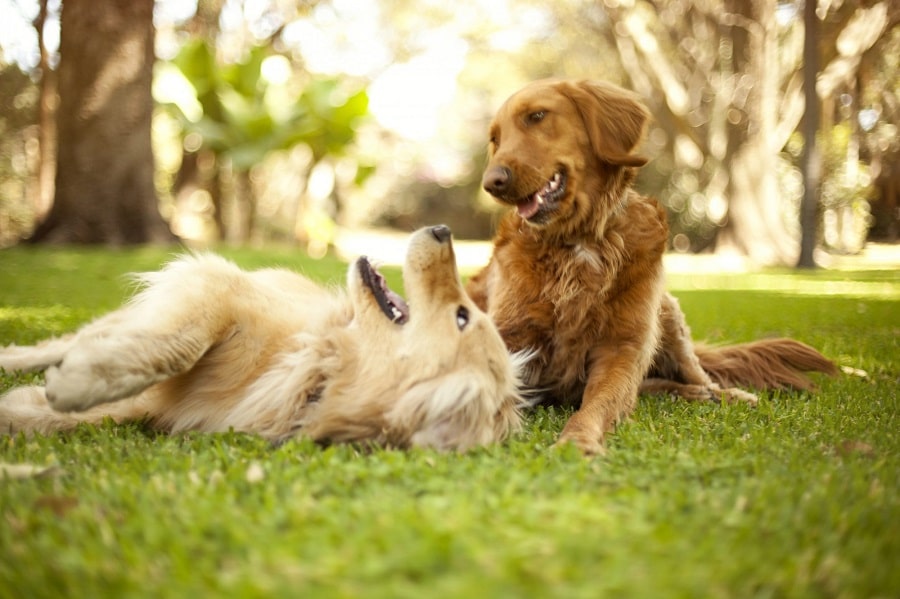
[[529, 206]]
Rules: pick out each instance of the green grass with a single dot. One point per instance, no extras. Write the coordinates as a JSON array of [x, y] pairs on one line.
[[799, 497]]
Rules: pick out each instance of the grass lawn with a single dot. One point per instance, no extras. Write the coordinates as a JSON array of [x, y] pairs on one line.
[[799, 497]]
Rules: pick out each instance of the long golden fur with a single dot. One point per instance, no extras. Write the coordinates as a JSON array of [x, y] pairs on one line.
[[206, 346], [576, 274]]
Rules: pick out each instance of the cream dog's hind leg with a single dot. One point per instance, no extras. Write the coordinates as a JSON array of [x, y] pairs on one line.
[[50, 352], [29, 358], [119, 363], [116, 356]]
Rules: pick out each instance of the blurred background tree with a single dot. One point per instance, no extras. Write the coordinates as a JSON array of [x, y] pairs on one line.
[[104, 191], [240, 114], [725, 81], [285, 120]]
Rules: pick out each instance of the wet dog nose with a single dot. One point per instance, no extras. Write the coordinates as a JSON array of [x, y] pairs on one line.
[[496, 180], [441, 233]]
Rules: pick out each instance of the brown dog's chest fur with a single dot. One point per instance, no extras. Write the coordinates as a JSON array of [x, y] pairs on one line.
[[561, 299]]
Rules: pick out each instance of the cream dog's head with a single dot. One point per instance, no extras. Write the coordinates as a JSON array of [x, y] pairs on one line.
[[431, 370]]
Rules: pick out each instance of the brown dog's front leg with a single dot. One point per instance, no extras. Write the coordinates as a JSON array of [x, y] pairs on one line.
[[609, 396]]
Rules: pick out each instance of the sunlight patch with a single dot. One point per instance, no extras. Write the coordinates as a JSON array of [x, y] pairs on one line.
[[779, 283], [51, 319]]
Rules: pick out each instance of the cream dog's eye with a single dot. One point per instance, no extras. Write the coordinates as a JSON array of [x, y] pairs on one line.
[[536, 117], [462, 317]]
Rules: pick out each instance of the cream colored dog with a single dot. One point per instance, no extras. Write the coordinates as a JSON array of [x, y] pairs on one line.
[[206, 346]]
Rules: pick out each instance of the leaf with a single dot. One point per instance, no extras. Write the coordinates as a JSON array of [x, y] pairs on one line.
[[197, 63], [255, 473], [57, 504], [241, 120], [15, 471], [852, 446], [215, 135], [248, 154]]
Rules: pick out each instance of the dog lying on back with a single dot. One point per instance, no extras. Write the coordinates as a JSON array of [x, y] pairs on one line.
[[206, 346], [576, 274]]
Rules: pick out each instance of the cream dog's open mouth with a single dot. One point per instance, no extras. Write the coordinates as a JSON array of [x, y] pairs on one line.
[[390, 302], [544, 199]]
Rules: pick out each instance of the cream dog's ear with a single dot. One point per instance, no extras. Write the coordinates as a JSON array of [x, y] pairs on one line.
[[614, 118]]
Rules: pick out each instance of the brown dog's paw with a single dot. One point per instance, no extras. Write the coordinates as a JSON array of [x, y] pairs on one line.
[[587, 445], [735, 395], [700, 392], [717, 394]]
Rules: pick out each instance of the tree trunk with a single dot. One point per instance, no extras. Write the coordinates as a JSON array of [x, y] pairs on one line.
[[756, 224], [811, 164], [104, 177], [46, 121]]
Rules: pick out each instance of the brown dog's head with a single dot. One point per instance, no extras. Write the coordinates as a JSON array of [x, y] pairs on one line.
[[556, 144]]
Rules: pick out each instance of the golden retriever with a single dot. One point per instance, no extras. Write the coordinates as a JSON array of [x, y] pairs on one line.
[[576, 274], [206, 346]]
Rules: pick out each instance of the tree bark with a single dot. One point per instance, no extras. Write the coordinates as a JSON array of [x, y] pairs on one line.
[[46, 121], [756, 224], [811, 165], [104, 179]]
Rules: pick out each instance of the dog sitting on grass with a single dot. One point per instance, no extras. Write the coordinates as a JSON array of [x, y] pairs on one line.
[[207, 346], [576, 275]]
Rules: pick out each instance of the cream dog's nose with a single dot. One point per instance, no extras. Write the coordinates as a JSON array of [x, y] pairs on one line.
[[441, 233]]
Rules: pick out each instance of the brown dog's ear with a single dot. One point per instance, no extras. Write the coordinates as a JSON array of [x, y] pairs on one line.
[[613, 118]]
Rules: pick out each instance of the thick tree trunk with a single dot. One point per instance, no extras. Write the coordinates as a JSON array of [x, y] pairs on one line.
[[104, 177], [756, 224], [811, 163], [46, 121]]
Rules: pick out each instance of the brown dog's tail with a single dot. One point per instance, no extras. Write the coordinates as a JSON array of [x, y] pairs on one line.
[[765, 364]]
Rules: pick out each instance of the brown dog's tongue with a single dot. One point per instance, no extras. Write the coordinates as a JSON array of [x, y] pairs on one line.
[[529, 207]]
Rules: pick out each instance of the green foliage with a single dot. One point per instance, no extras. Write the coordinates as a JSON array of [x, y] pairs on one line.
[[846, 185], [796, 498], [335, 115], [20, 99], [838, 187], [244, 117]]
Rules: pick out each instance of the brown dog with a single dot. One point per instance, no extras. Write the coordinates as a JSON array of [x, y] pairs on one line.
[[576, 274]]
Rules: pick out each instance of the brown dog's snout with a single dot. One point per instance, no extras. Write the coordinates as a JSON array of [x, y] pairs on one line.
[[497, 180]]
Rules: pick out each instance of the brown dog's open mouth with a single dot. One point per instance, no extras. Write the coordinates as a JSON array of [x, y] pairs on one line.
[[393, 306], [543, 199]]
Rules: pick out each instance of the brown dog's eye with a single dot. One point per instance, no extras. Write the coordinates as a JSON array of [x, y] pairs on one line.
[[494, 134], [536, 117], [462, 317]]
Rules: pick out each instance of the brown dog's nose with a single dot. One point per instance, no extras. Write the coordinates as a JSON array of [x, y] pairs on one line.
[[441, 233], [496, 180]]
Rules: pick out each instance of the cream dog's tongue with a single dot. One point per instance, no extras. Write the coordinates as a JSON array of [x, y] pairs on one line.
[[400, 309]]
